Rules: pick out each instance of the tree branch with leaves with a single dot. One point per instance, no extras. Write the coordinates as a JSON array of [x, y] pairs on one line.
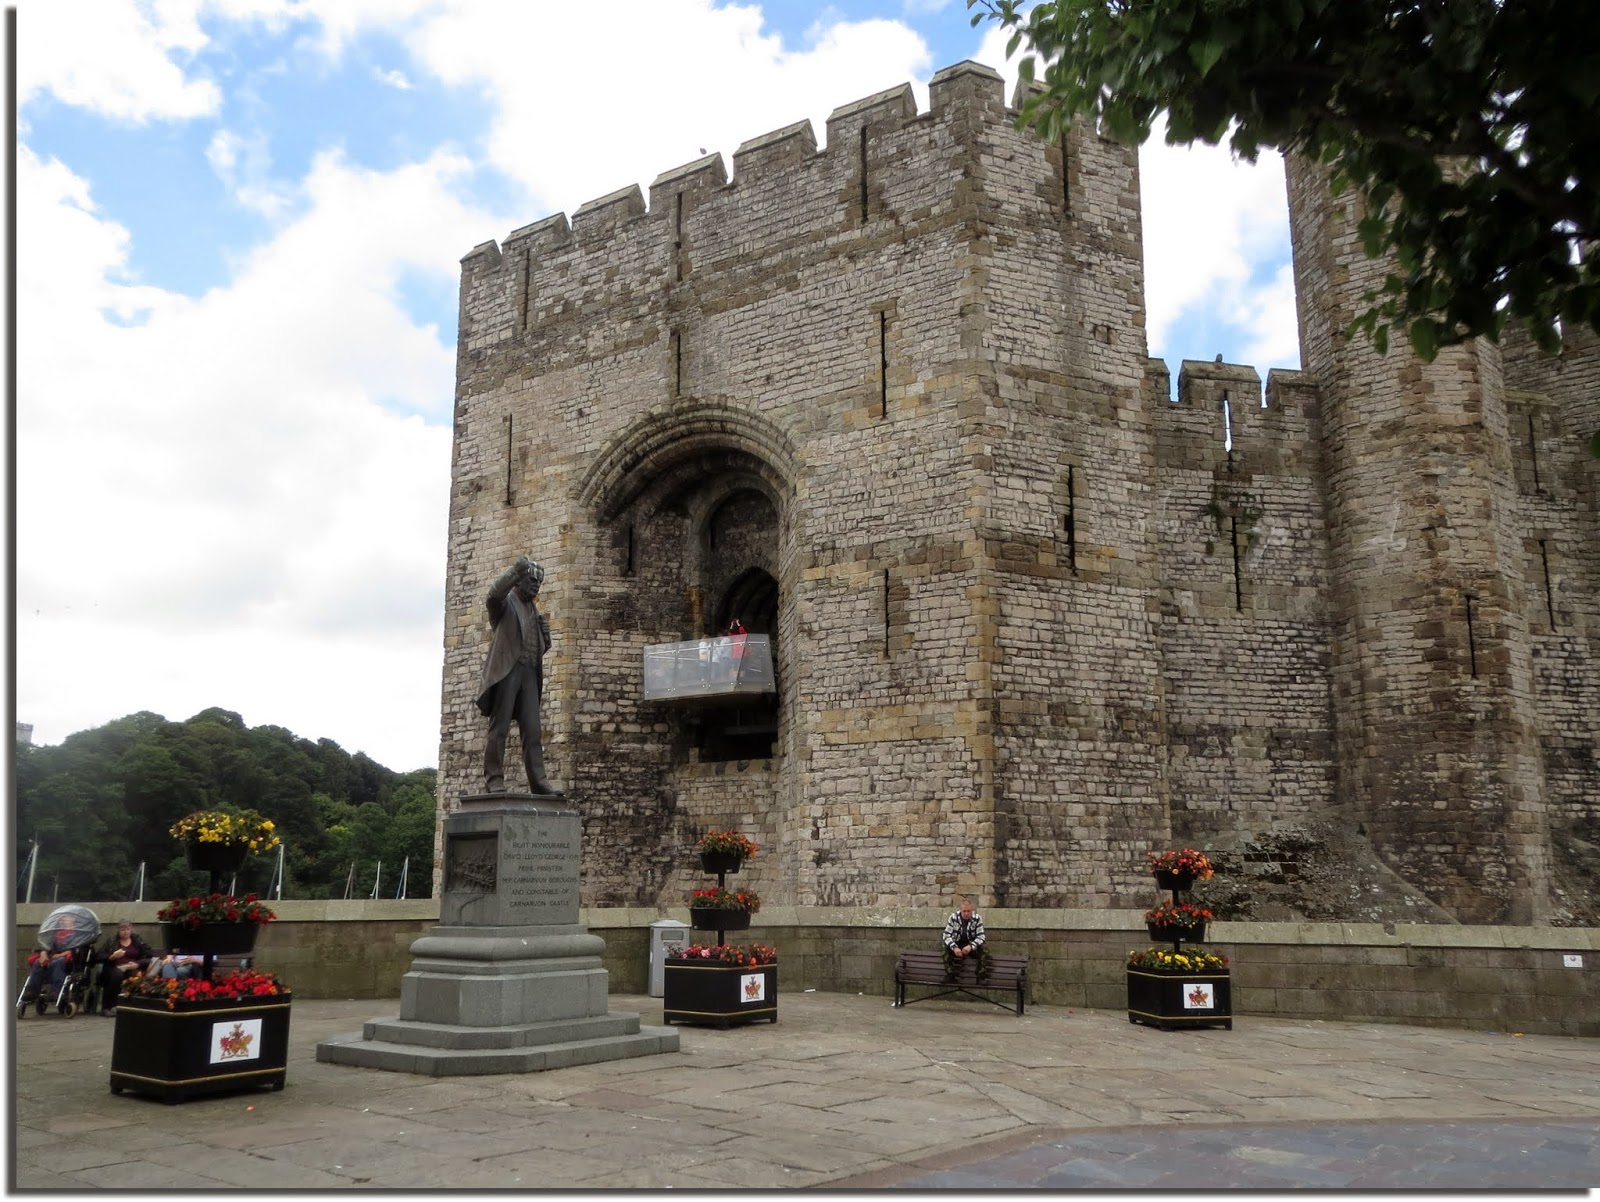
[[1465, 126]]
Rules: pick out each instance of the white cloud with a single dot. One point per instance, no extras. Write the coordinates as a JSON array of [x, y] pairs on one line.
[[241, 490], [1208, 222], [115, 59], [1273, 322], [339, 22], [393, 79], [577, 118], [245, 166]]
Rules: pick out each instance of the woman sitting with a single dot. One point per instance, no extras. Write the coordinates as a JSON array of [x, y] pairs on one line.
[[124, 955]]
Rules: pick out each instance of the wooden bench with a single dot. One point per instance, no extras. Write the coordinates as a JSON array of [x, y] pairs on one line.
[[1007, 974]]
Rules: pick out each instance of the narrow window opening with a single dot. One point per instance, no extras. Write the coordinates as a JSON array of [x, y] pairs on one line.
[[677, 234], [1533, 453], [1227, 428], [883, 363], [676, 339], [1238, 580], [1071, 522], [628, 568], [1472, 646], [511, 422], [863, 166], [527, 288], [1066, 186], [1549, 593], [885, 613]]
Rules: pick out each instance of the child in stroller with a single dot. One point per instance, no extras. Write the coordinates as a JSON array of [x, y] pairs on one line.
[[62, 970]]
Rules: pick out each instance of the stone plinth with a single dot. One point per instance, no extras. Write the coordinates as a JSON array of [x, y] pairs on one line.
[[509, 981], [510, 860]]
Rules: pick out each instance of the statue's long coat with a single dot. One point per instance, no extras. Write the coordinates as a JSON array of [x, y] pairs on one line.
[[508, 614]]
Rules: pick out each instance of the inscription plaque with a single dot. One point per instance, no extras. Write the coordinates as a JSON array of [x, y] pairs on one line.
[[537, 864], [511, 864]]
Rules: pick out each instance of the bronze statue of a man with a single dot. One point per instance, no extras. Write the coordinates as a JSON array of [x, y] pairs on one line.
[[513, 675]]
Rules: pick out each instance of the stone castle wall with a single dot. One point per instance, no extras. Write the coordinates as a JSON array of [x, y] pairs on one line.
[[890, 401], [1243, 596]]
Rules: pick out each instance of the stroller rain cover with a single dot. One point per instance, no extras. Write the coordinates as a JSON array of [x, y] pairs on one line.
[[68, 927]]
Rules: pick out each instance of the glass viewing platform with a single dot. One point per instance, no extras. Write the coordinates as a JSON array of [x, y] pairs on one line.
[[737, 665]]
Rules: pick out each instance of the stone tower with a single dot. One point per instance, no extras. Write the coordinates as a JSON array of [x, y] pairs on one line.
[[889, 403], [1439, 619]]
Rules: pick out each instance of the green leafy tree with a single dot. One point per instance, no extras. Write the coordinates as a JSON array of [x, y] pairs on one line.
[[410, 836], [102, 801], [1466, 126]]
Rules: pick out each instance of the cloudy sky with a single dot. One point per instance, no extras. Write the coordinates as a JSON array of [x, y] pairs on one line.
[[239, 224]]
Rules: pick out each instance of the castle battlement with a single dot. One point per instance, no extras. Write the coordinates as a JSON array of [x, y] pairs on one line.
[[1219, 404], [885, 166]]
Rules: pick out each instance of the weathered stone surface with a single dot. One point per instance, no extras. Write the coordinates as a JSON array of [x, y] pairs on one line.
[[890, 403]]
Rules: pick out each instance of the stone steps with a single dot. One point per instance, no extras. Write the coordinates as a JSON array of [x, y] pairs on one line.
[[516, 1035], [396, 1057]]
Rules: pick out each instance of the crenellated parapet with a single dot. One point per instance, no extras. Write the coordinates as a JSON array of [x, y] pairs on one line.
[[785, 197]]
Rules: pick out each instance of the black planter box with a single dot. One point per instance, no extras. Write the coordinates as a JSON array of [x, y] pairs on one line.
[[706, 919], [210, 938], [720, 861], [216, 857], [1176, 934], [1169, 999], [717, 994], [204, 1047]]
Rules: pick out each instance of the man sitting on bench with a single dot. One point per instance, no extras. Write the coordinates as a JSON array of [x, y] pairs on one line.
[[963, 937]]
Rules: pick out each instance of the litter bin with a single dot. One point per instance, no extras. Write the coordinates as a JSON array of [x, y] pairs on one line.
[[666, 935]]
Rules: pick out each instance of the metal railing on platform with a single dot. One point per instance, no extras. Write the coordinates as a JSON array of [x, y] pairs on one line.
[[737, 665]]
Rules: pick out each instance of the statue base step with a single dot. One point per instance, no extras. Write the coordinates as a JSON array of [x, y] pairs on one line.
[[456, 1056]]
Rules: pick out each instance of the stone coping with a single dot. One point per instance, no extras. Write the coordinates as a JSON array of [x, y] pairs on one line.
[[920, 919]]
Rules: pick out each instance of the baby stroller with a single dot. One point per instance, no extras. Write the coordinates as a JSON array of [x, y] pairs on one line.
[[74, 929]]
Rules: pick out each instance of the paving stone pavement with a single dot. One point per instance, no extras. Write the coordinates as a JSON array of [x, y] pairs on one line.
[[846, 1092]]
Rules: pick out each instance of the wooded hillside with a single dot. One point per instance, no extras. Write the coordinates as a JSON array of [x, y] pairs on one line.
[[103, 799]]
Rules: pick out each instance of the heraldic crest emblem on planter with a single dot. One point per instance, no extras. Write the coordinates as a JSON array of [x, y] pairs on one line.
[[236, 1043]]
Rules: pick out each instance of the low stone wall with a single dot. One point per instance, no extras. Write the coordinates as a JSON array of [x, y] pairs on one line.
[[1505, 978], [324, 949]]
